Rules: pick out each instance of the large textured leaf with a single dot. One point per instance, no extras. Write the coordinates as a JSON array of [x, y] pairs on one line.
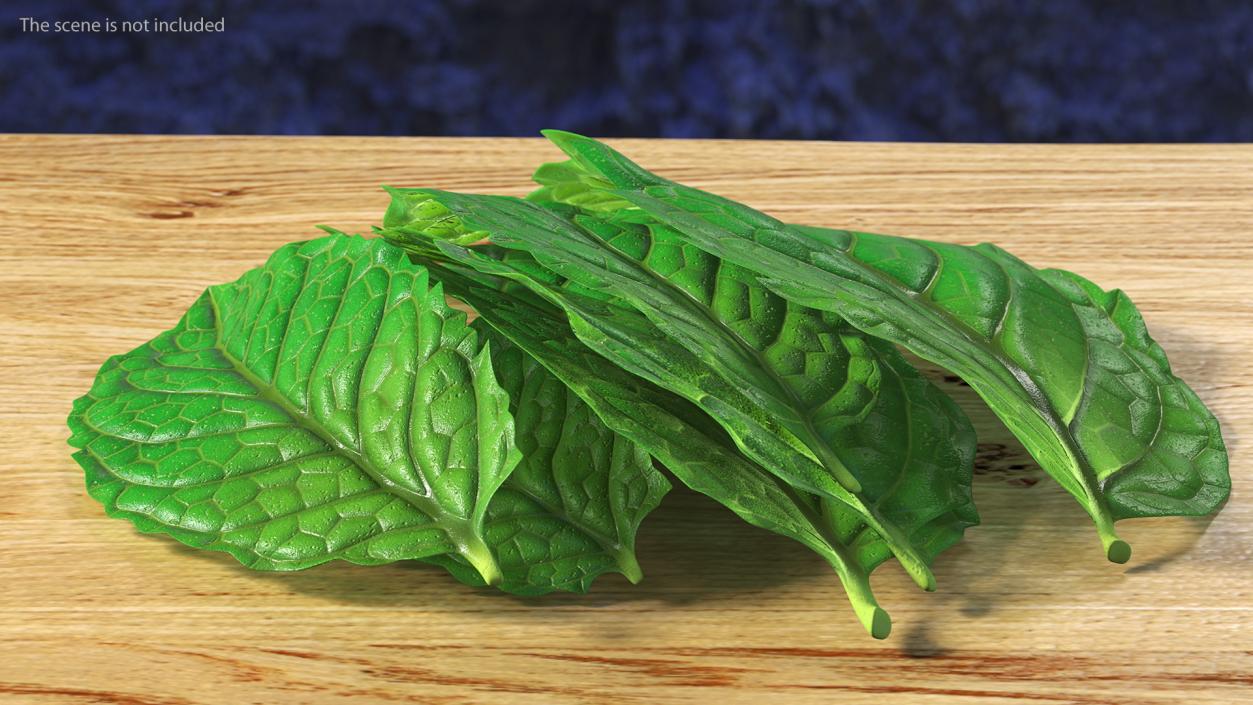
[[1068, 367], [327, 405], [786, 382], [698, 452], [330, 405]]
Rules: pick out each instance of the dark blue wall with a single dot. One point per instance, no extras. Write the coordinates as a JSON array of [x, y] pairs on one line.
[[1066, 70]]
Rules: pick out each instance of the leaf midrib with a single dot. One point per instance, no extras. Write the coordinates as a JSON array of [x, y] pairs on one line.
[[898, 540], [1097, 506], [836, 551], [454, 525], [807, 432], [1030, 390]]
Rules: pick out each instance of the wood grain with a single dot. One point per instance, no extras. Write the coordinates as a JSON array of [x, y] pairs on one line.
[[106, 240]]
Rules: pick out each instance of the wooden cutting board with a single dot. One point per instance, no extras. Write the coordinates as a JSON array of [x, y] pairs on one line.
[[106, 240]]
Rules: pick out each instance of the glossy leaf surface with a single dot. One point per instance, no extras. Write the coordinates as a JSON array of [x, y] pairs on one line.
[[329, 405], [697, 451], [1068, 367], [570, 510], [789, 384]]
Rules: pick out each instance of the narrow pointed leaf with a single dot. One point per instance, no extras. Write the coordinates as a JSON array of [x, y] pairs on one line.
[[785, 381], [570, 511], [1069, 368], [697, 451]]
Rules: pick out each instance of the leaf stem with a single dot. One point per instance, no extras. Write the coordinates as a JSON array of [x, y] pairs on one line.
[[629, 565], [856, 582], [480, 556], [469, 544], [1116, 550]]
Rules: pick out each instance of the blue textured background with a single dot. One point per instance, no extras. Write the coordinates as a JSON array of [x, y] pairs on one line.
[[1066, 70]]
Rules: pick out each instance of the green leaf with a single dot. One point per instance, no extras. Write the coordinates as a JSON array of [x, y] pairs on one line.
[[330, 405], [784, 381], [697, 451], [807, 369], [1068, 368], [570, 510], [327, 405]]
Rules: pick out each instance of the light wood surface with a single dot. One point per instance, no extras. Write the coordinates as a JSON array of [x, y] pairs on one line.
[[106, 240]]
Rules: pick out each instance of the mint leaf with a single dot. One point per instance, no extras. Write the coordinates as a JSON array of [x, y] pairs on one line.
[[330, 405], [570, 510], [1067, 367], [327, 405], [789, 384], [696, 450]]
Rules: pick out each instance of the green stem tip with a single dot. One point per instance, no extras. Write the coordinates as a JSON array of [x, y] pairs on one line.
[[1118, 551], [480, 556], [629, 566], [873, 618], [880, 624]]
